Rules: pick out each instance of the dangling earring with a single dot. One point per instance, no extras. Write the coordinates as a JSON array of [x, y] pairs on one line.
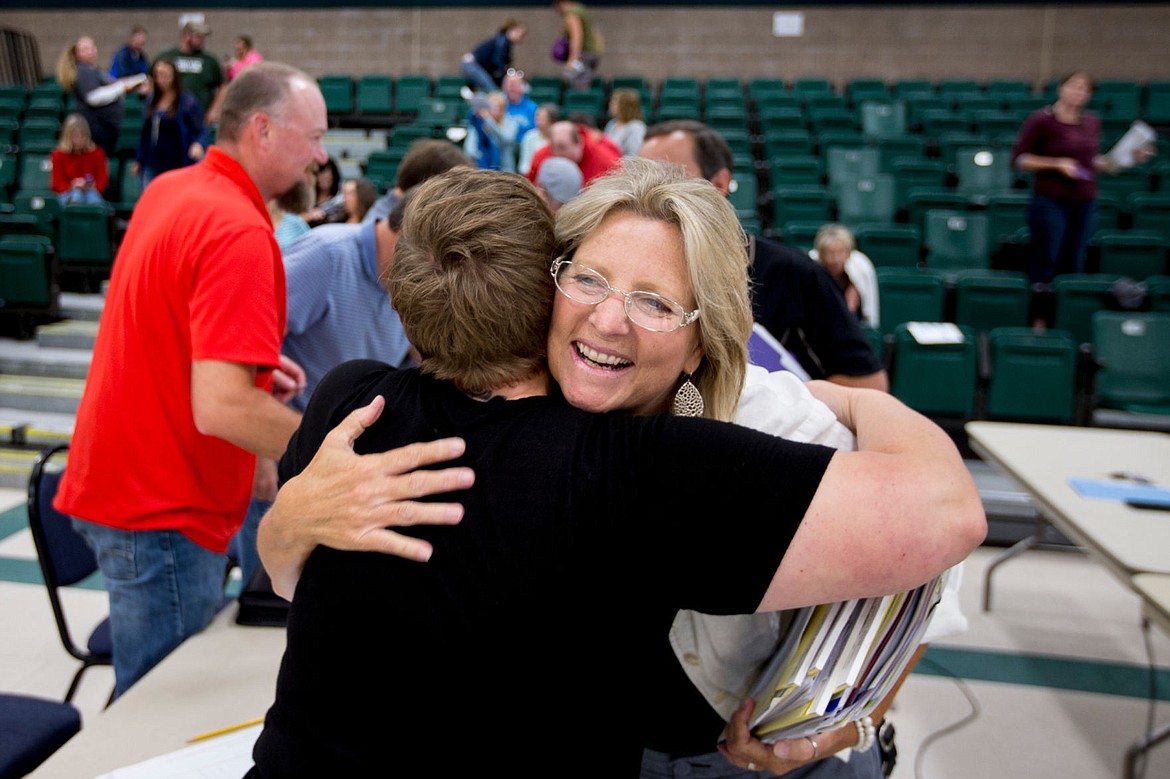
[[687, 401]]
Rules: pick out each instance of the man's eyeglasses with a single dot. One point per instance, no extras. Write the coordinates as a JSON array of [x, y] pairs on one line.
[[517, 73], [647, 310]]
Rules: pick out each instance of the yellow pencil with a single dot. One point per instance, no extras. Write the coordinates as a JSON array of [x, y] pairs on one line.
[[228, 729]]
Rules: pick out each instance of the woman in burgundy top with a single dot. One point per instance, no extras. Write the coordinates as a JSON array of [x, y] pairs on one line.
[[1060, 144]]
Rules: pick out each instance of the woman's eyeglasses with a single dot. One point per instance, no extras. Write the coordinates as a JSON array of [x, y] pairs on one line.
[[647, 310]]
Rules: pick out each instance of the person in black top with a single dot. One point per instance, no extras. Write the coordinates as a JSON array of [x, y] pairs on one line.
[[583, 534], [485, 66], [793, 297]]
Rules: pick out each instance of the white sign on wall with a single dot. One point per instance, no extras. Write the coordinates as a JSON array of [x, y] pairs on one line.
[[788, 24]]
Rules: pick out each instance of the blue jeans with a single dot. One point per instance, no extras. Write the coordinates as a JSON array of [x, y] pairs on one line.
[[84, 196], [246, 554], [478, 77], [163, 588], [1060, 235], [656, 765]]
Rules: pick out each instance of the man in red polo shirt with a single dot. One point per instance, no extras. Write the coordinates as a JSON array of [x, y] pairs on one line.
[[179, 398], [593, 152]]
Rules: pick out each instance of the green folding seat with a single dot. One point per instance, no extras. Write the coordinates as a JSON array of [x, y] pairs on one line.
[[725, 116], [763, 87], [921, 200], [1157, 109], [956, 240], [1158, 288], [1124, 183], [894, 245], [844, 164], [588, 101], [9, 167], [1007, 212], [913, 86], [375, 95], [920, 174], [555, 94], [743, 194], [900, 147], [1137, 254], [1007, 89], [337, 89], [26, 276], [832, 119], [36, 173], [795, 169], [1134, 363], [449, 86], [629, 81], [987, 299], [949, 143], [1150, 210], [800, 233], [828, 139], [404, 135], [800, 203], [936, 121], [919, 104], [859, 90], [1077, 297], [909, 295], [38, 129], [866, 200], [982, 171], [409, 92], [787, 143], [994, 122], [936, 379], [883, 119], [438, 112], [959, 86], [719, 87], [773, 118], [86, 235], [1031, 375], [807, 87]]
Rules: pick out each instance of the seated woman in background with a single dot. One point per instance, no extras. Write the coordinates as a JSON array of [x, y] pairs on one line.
[[835, 248], [80, 168], [357, 195], [626, 128], [174, 134]]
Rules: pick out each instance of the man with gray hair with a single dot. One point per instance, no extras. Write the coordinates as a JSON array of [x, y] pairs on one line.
[[187, 384], [559, 181]]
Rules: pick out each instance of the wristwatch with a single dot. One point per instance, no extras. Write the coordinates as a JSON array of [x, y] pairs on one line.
[[886, 748]]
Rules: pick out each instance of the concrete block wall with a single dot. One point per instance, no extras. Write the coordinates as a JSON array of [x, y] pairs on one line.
[[1034, 42]]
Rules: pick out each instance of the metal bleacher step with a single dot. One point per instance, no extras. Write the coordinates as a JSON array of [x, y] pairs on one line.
[[15, 466], [29, 358], [78, 306], [40, 393], [68, 334]]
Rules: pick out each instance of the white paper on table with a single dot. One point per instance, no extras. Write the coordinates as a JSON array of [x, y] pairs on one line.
[[223, 757]]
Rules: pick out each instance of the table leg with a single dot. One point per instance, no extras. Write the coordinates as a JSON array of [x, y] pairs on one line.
[[1023, 545], [1144, 745]]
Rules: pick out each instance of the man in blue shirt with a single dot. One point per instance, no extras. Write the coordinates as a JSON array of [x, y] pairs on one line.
[[338, 310], [520, 105], [131, 59]]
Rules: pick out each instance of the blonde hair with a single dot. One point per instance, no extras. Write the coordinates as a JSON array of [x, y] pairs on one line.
[[67, 67], [74, 123], [832, 234], [629, 104], [714, 248]]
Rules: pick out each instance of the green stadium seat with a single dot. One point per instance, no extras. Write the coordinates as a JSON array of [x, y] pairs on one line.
[[1006, 89], [858, 90], [936, 379], [26, 274], [1007, 212], [949, 143], [956, 240], [894, 245], [844, 164], [866, 200], [1078, 296], [920, 200], [883, 119], [1157, 109], [909, 295], [36, 173], [800, 203], [1150, 210], [899, 147], [787, 143], [409, 92], [744, 193], [982, 171], [1137, 254], [1032, 375], [1134, 363], [773, 118], [800, 233], [438, 112], [86, 235], [809, 86], [913, 86], [337, 89], [828, 139], [1158, 288], [936, 121], [795, 169], [375, 95], [988, 299]]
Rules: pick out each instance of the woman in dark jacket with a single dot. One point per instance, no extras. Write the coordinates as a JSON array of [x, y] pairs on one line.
[[173, 133]]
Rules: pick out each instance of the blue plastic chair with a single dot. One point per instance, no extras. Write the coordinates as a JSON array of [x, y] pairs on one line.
[[33, 729]]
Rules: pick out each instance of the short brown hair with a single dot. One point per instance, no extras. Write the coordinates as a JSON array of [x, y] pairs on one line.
[[629, 104], [263, 88], [712, 153], [428, 157], [471, 278]]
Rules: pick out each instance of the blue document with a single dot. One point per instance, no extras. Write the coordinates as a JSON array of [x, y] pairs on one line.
[[1112, 489]]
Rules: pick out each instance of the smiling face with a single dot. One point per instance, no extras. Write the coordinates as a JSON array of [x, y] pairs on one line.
[[298, 132], [164, 75], [602, 360]]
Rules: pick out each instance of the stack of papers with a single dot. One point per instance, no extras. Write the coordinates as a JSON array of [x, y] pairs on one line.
[[838, 661]]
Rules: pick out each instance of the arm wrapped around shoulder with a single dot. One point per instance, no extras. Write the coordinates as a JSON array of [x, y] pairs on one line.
[[886, 518]]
